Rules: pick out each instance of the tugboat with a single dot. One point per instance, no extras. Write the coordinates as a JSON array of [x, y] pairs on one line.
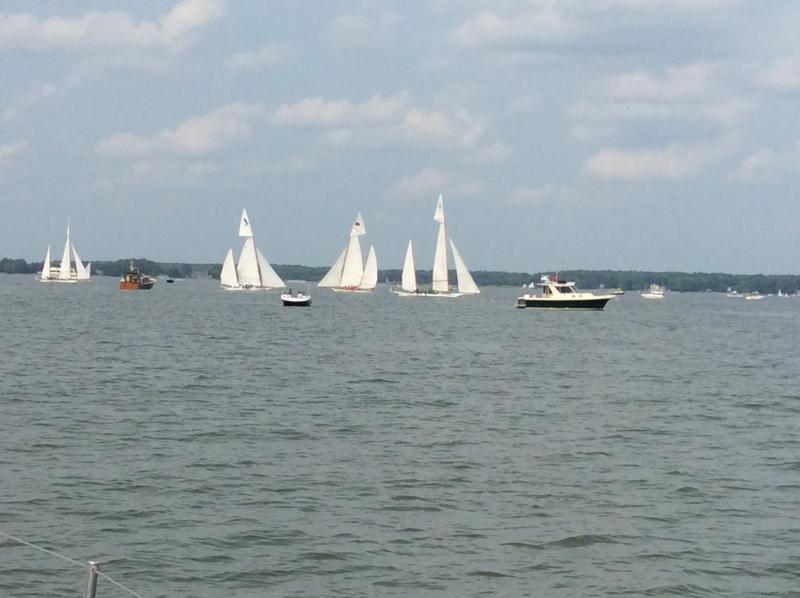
[[560, 294], [135, 280]]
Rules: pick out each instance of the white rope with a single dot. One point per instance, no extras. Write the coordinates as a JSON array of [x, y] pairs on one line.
[[69, 560]]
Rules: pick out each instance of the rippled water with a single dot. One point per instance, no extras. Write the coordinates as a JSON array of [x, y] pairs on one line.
[[208, 444]]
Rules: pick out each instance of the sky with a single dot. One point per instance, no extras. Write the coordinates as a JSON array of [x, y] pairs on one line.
[[562, 134]]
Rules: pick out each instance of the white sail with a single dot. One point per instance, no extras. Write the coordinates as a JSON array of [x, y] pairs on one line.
[[82, 273], [438, 215], [359, 228], [409, 279], [245, 230], [269, 278], [228, 277], [64, 269], [353, 266], [369, 279], [45, 275], [334, 275], [440, 280], [88, 270], [247, 268], [466, 284]]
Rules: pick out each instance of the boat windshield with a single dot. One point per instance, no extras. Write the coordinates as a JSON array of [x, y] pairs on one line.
[[565, 290]]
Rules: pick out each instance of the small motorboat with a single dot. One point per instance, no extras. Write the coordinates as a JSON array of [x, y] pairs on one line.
[[135, 280], [292, 297], [654, 291], [560, 294]]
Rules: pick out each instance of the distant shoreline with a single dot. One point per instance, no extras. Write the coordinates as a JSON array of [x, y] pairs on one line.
[[627, 280]]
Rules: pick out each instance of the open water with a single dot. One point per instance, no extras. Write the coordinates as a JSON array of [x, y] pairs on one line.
[[210, 444]]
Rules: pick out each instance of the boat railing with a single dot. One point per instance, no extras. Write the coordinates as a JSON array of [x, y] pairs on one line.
[[92, 568]]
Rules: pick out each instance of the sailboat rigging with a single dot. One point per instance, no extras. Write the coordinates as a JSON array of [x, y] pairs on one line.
[[440, 282], [70, 269], [349, 273], [253, 271]]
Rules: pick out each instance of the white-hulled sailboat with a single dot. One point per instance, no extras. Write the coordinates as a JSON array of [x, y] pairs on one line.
[[253, 271], [440, 278], [71, 268], [349, 273]]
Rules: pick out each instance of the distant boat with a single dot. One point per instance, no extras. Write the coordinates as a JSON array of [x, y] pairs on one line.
[[70, 269], [135, 280], [560, 294], [754, 296], [253, 272], [291, 297], [440, 286], [349, 273], [654, 291]]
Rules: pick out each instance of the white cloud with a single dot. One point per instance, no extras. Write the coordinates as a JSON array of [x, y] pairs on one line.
[[197, 136], [359, 30], [688, 93], [431, 181], [690, 81], [265, 57], [493, 153], [523, 104], [674, 162], [547, 193], [782, 75], [10, 152], [33, 95], [766, 163], [383, 121], [109, 30], [171, 171], [543, 24]]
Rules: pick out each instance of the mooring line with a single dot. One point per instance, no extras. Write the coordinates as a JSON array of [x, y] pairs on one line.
[[69, 560]]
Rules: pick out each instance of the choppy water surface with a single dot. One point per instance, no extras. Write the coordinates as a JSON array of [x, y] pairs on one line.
[[209, 444]]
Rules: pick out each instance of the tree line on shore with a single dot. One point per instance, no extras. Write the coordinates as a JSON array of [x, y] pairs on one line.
[[627, 280]]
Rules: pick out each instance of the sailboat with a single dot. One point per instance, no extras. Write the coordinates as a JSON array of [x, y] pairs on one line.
[[70, 269], [349, 273], [440, 279], [253, 272]]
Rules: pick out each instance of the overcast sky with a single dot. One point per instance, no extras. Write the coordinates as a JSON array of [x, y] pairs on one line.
[[622, 134]]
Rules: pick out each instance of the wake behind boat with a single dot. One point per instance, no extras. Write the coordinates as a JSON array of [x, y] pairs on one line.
[[253, 271], [560, 294], [349, 274], [440, 286], [70, 269]]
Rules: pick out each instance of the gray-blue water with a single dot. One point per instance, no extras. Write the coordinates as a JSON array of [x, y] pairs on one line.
[[210, 444]]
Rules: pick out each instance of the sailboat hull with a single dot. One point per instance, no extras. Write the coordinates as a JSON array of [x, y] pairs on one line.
[[343, 290], [426, 294]]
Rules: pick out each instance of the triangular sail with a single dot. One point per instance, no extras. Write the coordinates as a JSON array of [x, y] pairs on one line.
[[88, 270], [269, 278], [409, 279], [248, 265], [245, 230], [440, 281], [45, 275], [353, 266], [369, 279], [466, 284], [82, 273], [228, 277], [334, 275], [64, 269]]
